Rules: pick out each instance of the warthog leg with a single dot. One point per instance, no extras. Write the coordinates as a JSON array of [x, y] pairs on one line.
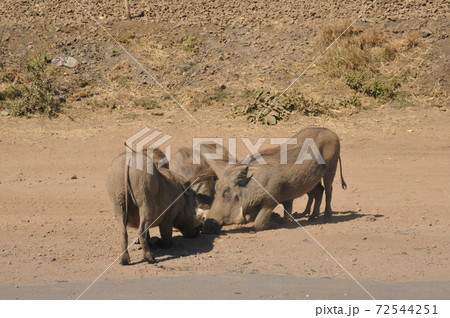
[[308, 205], [144, 226], [262, 221], [165, 230], [288, 210], [121, 222], [328, 183], [148, 238], [316, 194]]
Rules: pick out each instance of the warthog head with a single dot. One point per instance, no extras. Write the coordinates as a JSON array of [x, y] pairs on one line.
[[187, 222], [228, 204], [204, 188]]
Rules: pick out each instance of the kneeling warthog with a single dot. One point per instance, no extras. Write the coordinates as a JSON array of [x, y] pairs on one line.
[[204, 178], [200, 174], [143, 200], [250, 192]]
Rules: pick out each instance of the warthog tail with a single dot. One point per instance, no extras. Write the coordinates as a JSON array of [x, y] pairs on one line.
[[344, 185], [127, 186]]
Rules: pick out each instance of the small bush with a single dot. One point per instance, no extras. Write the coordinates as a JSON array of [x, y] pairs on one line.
[[359, 51], [124, 81], [125, 37], [96, 103], [266, 108], [218, 95], [4, 40], [114, 52], [389, 53], [351, 101], [190, 44], [11, 92], [185, 68], [83, 83], [370, 38], [356, 82], [146, 103], [413, 40], [37, 95], [331, 31], [380, 87]]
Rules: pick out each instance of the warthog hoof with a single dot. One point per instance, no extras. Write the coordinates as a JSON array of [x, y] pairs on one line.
[[125, 259], [305, 214], [150, 259], [211, 226]]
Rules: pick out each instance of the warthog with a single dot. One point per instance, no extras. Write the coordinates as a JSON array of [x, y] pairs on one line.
[[250, 192], [314, 195], [143, 200], [203, 178]]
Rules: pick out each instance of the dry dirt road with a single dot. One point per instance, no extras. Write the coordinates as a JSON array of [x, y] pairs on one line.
[[390, 228]]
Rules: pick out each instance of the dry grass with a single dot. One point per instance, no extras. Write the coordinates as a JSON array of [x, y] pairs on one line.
[[359, 51], [331, 31], [363, 51], [370, 60], [413, 40]]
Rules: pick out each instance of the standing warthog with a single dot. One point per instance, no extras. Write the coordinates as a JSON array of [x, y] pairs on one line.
[[143, 200], [250, 192]]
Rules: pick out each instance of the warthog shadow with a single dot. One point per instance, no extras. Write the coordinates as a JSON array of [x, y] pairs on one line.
[[337, 217], [182, 247], [204, 243], [346, 216]]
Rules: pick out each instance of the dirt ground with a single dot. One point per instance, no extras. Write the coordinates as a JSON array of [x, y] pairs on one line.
[[390, 225]]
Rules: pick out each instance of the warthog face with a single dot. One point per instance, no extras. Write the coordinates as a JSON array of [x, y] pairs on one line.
[[204, 188], [187, 222], [228, 204]]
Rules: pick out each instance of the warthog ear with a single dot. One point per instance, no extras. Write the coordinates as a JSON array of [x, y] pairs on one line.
[[218, 166], [187, 184], [241, 178], [189, 194]]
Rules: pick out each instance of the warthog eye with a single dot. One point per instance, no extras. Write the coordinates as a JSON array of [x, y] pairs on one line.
[[226, 191]]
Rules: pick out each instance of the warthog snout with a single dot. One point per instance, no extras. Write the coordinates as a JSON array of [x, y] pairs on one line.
[[211, 226]]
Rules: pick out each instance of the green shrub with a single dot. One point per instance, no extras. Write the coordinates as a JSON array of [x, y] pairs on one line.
[[11, 92], [190, 44], [185, 68], [146, 103], [268, 109], [380, 87], [351, 101], [125, 37], [114, 52], [218, 95], [37, 95]]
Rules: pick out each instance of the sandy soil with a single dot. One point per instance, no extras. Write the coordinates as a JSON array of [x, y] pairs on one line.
[[390, 225]]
